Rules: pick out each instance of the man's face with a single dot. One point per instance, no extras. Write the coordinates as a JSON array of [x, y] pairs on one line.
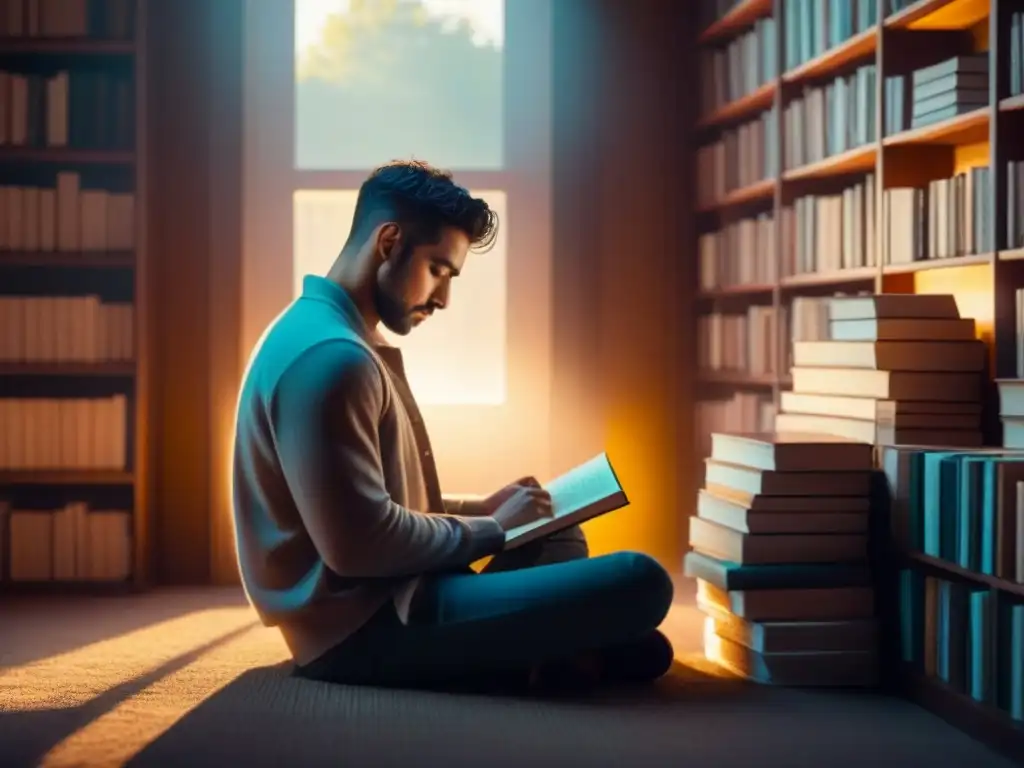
[[410, 286]]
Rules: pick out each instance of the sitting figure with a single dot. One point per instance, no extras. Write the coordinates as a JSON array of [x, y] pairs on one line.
[[345, 541]]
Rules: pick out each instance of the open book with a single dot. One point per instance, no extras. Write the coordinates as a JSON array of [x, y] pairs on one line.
[[589, 490]]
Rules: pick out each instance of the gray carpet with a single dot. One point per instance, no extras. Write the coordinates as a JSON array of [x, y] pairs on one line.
[[185, 678]]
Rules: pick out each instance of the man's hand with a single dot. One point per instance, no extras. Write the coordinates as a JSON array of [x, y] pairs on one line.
[[518, 503]]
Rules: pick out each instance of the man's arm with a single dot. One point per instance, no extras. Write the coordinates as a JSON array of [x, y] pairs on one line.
[[326, 415], [467, 506]]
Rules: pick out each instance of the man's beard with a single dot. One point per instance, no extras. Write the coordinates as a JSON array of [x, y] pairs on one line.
[[390, 311]]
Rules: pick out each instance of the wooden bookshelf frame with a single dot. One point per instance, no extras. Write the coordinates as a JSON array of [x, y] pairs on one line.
[[995, 125], [136, 477]]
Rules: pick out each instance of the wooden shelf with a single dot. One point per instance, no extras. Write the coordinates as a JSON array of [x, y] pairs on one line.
[[984, 723], [851, 161], [993, 582], [762, 190], [857, 274], [65, 477], [937, 14], [752, 103], [741, 16], [752, 289], [926, 265], [969, 128], [834, 59], [736, 378], [1017, 254], [89, 259], [60, 155], [67, 369], [1012, 104], [65, 46]]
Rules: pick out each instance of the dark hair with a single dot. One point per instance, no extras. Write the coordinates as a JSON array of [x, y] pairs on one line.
[[422, 200]]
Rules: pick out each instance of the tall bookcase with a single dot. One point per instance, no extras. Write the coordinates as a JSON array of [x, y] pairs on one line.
[[853, 148], [74, 298]]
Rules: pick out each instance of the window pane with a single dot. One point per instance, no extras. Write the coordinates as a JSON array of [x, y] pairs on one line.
[[456, 357], [378, 80]]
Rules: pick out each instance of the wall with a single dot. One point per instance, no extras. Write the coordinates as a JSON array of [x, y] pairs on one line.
[[622, 277]]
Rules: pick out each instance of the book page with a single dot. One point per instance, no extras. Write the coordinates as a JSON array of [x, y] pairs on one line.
[[578, 488]]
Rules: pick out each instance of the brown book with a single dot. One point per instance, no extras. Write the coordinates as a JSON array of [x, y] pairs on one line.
[[826, 604], [772, 483], [894, 305], [921, 414], [888, 385], [833, 669], [791, 452], [883, 434], [745, 520], [902, 330], [797, 636], [948, 356], [774, 549]]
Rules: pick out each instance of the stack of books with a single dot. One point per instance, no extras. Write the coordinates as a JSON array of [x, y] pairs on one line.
[[949, 88], [897, 368], [1011, 412], [780, 554]]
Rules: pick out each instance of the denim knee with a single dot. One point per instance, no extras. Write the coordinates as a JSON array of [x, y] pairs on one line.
[[651, 585]]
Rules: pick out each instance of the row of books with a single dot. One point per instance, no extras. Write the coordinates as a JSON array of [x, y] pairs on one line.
[[1017, 53], [1011, 407], [65, 329], [936, 93], [827, 233], [64, 433], [738, 342], [780, 553], [77, 109], [741, 253], [66, 217], [97, 19], [739, 412], [742, 156], [947, 218], [946, 633], [830, 119], [739, 67], [1015, 204], [897, 369], [72, 543], [812, 27]]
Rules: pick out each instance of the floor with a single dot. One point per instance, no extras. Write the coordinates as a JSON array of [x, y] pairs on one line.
[[188, 677]]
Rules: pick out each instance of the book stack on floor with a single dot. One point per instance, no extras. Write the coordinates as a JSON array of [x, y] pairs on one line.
[[898, 368], [961, 513], [780, 554]]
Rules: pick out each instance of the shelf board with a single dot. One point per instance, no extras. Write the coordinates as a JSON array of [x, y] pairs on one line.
[[751, 289], [1012, 104], [938, 14], [1017, 254], [982, 722], [856, 47], [927, 265], [753, 102], [65, 46], [762, 190], [1003, 585], [853, 275], [66, 156], [10, 477], [736, 378], [968, 128], [739, 17], [851, 161], [90, 259], [67, 369]]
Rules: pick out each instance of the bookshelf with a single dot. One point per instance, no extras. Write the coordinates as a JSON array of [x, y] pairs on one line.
[[812, 125], [74, 298]]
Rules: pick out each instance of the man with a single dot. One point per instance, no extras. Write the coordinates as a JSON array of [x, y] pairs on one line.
[[345, 542]]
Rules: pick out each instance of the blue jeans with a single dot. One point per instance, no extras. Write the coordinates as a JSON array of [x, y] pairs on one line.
[[522, 611]]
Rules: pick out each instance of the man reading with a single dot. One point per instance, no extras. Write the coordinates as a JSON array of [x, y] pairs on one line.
[[345, 541]]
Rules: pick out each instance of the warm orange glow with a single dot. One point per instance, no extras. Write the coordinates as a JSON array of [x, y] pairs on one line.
[[969, 156], [972, 286], [960, 14]]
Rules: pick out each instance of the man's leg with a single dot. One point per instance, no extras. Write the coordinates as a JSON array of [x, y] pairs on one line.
[[467, 626], [560, 547]]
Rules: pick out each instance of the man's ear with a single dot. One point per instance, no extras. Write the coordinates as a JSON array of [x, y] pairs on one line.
[[389, 241]]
